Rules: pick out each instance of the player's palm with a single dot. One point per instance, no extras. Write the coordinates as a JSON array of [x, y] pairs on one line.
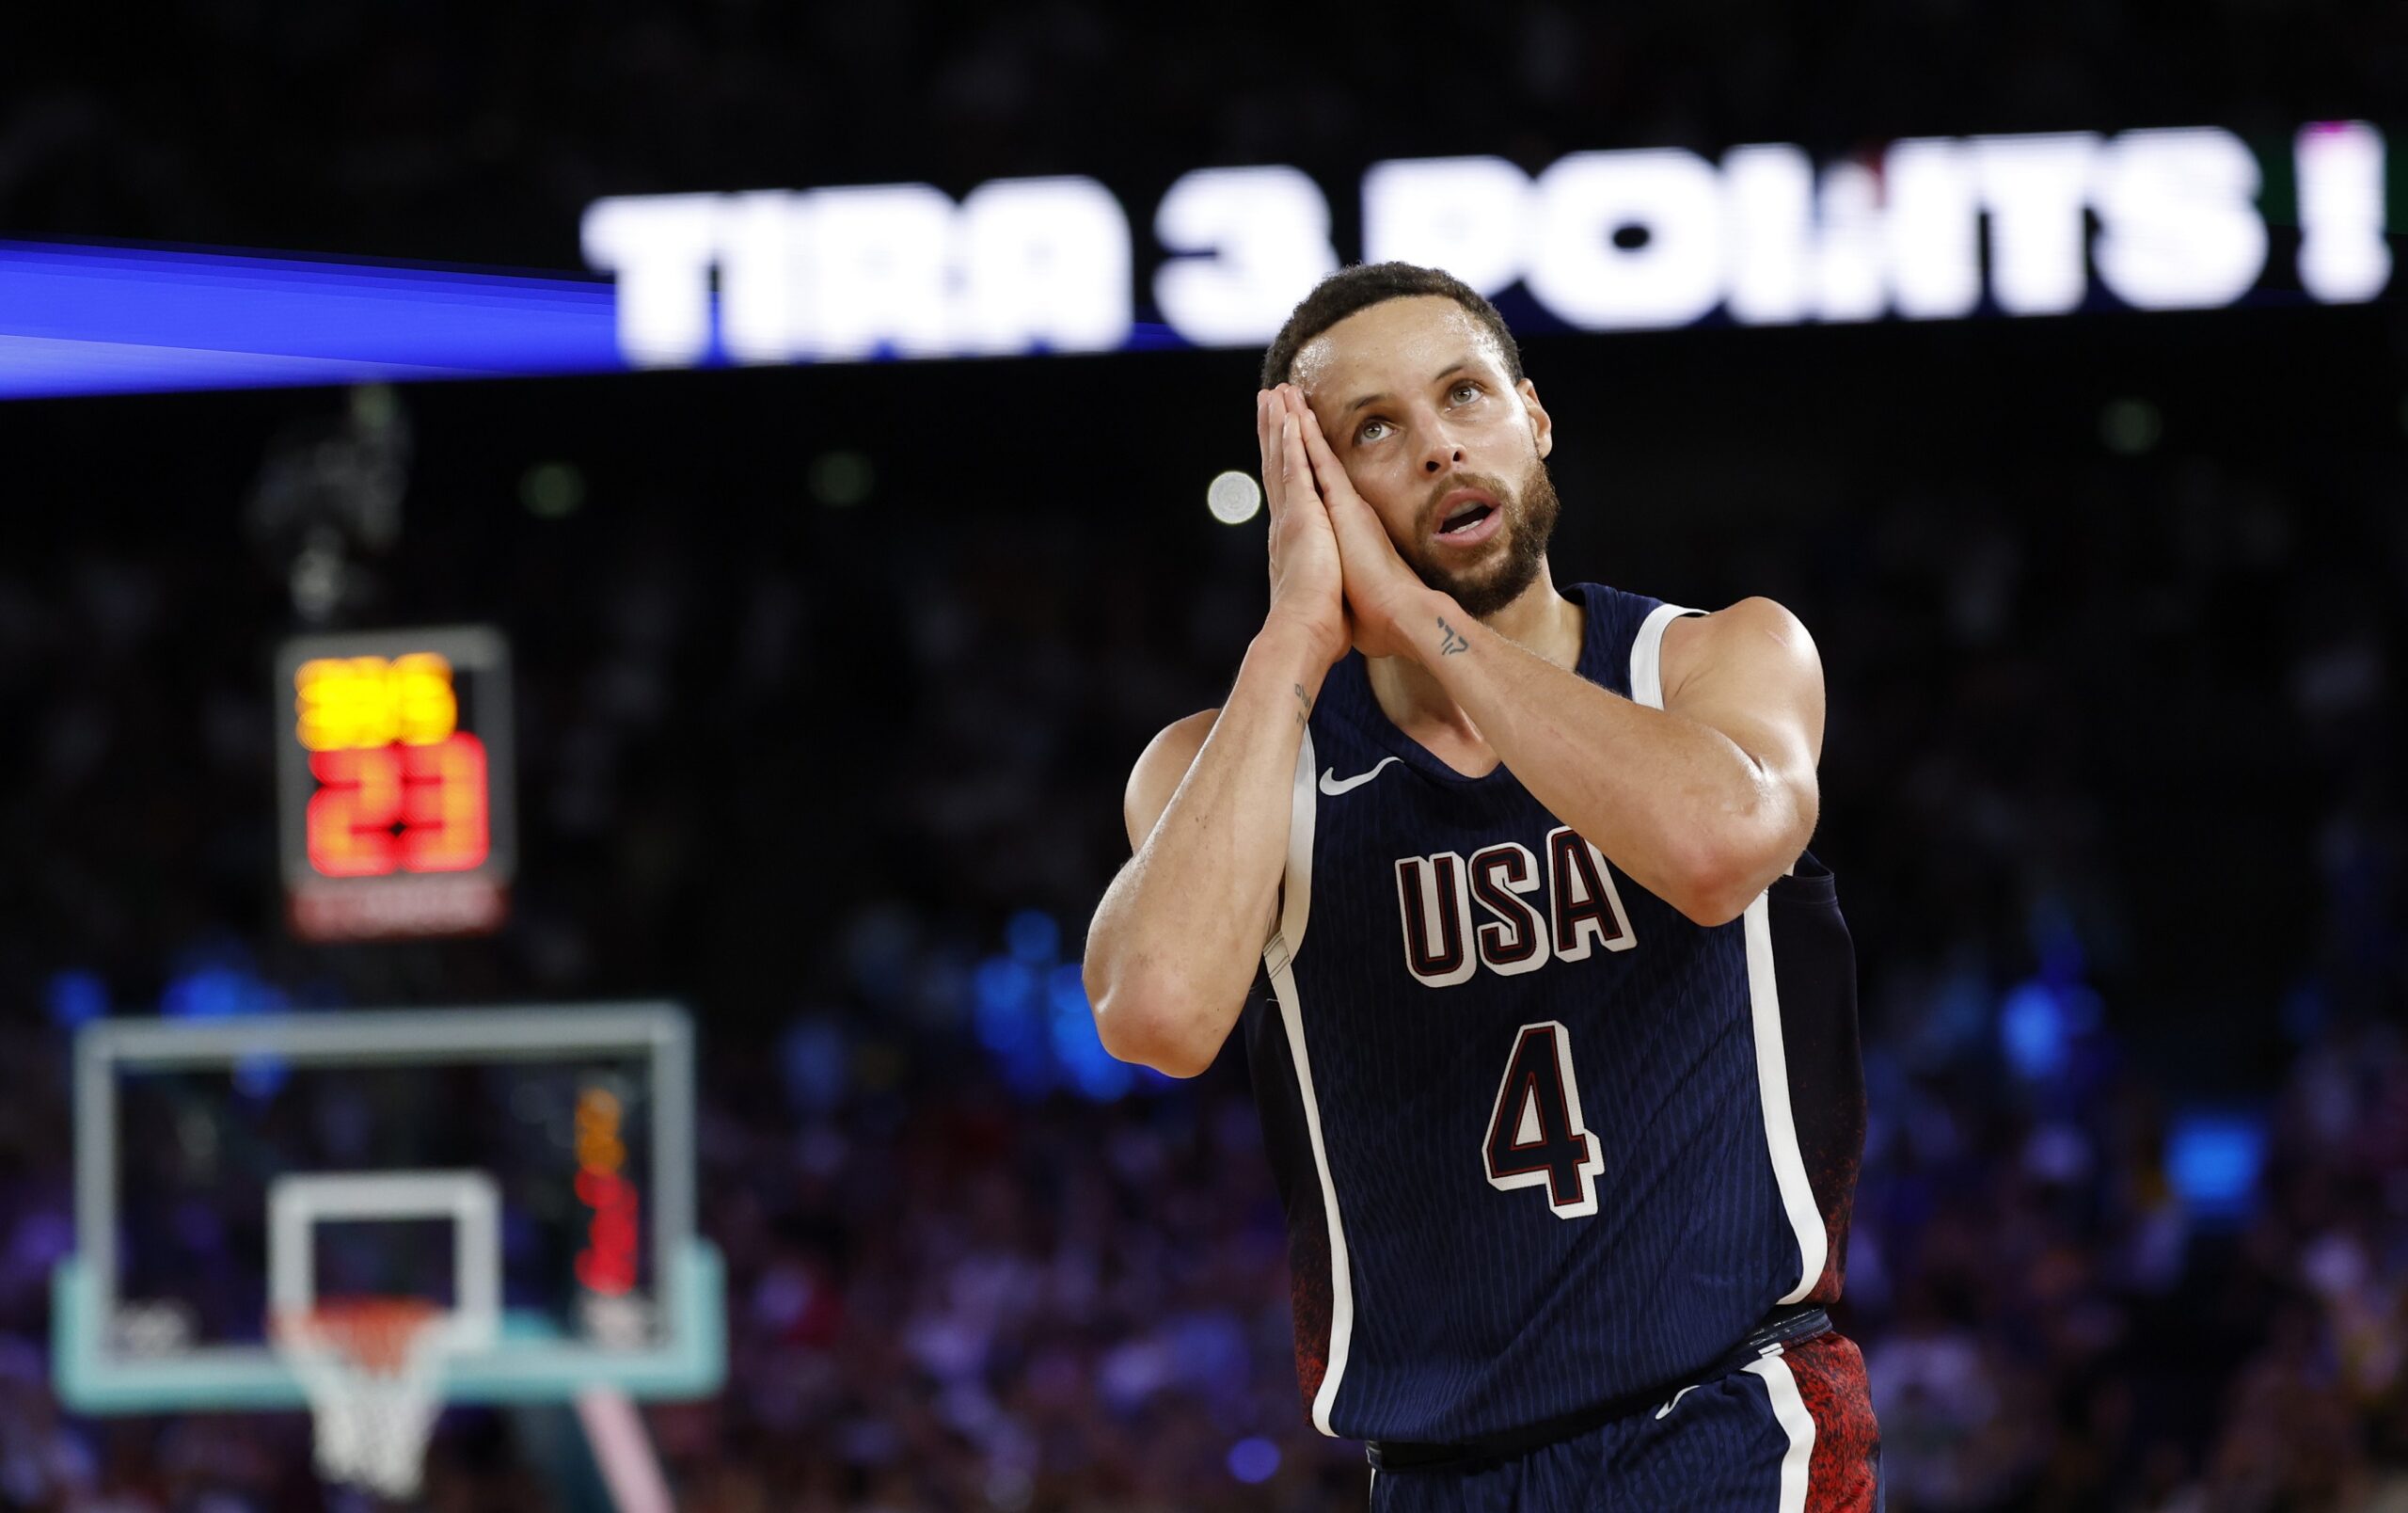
[[1379, 588], [1308, 580]]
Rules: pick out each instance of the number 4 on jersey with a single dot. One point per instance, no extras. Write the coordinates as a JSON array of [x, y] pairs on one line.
[[1536, 1137]]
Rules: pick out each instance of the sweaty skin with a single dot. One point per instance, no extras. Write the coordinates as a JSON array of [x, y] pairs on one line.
[[1702, 803]]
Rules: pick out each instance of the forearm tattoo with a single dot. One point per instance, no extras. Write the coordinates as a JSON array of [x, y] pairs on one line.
[[1304, 704], [1454, 642]]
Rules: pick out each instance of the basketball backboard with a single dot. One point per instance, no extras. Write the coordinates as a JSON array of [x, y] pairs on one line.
[[529, 1170]]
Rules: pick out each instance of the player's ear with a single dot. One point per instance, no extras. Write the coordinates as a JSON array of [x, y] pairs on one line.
[[1542, 428]]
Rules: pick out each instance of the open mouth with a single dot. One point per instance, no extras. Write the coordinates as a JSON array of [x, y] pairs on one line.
[[1465, 517]]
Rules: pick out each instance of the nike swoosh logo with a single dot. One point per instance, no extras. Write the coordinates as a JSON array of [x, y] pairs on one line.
[[1332, 787]]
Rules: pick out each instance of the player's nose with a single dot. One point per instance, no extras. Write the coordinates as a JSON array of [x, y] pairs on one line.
[[1441, 452]]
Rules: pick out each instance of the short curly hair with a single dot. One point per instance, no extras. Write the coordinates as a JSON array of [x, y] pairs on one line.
[[1365, 284]]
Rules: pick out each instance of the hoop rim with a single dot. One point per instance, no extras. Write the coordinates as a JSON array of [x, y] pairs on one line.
[[378, 1334]]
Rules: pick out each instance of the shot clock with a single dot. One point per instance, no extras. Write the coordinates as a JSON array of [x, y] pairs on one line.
[[394, 770]]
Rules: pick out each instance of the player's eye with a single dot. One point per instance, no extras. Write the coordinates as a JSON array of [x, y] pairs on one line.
[[1465, 392], [1370, 431]]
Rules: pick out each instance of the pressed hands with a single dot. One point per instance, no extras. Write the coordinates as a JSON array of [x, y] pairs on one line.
[[1334, 574]]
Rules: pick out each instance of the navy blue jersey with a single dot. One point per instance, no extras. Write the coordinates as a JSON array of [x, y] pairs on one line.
[[1544, 1142]]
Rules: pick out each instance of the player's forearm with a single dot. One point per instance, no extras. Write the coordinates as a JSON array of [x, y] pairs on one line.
[[1172, 949], [1676, 804]]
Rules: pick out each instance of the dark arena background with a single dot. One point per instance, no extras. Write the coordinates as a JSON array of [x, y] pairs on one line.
[[2047, 362]]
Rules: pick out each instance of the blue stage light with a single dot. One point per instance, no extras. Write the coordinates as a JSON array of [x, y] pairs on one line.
[[76, 999], [1254, 1460], [2212, 1159]]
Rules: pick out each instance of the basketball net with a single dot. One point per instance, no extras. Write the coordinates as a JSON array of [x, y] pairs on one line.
[[373, 1370]]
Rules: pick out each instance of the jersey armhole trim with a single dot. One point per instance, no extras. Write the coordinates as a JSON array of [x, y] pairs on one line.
[[1279, 958], [1297, 883], [1782, 1146], [1647, 654]]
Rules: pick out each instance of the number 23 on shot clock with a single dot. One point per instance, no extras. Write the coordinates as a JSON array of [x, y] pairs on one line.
[[394, 779]]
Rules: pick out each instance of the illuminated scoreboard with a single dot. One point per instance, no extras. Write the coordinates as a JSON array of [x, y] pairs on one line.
[[394, 771]]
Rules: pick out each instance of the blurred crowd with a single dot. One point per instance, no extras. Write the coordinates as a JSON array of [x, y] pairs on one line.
[[2113, 791]]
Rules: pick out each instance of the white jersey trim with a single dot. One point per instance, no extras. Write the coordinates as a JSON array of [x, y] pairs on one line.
[[1280, 956], [1796, 1420], [1297, 883], [1780, 1126], [1647, 655], [1764, 1002]]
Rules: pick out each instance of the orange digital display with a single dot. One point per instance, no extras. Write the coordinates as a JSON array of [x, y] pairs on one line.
[[398, 808], [391, 778], [355, 703]]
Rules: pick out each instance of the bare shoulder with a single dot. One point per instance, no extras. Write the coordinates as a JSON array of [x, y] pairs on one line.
[[1160, 769], [1756, 639]]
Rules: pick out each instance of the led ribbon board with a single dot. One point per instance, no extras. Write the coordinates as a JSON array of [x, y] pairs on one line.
[[394, 771], [1925, 229], [1761, 234]]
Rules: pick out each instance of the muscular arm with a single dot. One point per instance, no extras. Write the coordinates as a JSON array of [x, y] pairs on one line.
[[1704, 802], [1171, 952], [1173, 947]]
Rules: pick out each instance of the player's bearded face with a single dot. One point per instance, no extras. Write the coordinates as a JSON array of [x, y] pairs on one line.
[[1514, 556], [1420, 406]]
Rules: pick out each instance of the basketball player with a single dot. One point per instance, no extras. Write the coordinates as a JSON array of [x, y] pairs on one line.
[[1558, 1067]]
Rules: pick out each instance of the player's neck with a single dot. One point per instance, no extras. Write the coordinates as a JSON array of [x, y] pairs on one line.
[[1543, 620], [1414, 701]]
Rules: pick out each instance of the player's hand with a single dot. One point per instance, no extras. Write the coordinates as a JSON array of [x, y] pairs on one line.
[[1386, 602], [1307, 580]]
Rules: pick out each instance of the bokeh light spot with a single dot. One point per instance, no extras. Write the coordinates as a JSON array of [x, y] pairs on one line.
[[2130, 427], [841, 480], [1233, 498], [1254, 1460], [553, 490]]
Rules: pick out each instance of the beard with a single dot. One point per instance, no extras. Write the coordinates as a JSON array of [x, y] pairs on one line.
[[1512, 561]]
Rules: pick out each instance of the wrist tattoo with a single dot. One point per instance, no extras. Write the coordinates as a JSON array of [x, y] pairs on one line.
[[1455, 641], [1304, 704]]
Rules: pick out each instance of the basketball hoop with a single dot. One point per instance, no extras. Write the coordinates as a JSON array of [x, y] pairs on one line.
[[372, 1367], [373, 1370]]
